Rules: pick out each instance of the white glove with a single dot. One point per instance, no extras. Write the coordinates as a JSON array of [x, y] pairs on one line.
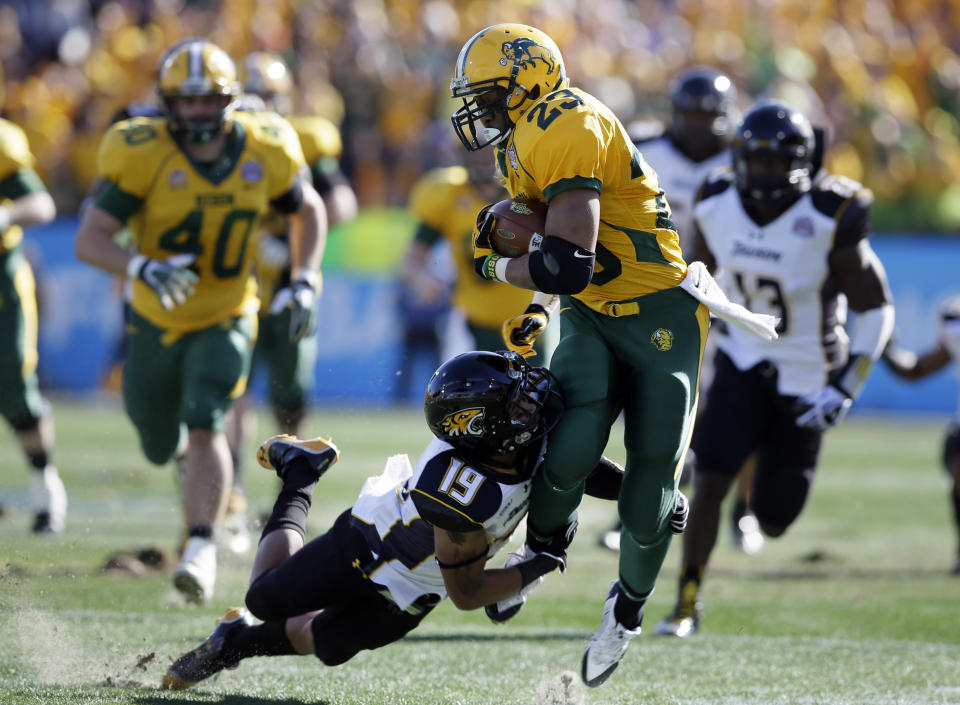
[[823, 408], [299, 297], [171, 280]]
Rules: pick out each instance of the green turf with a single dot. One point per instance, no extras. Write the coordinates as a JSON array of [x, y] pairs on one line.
[[852, 606]]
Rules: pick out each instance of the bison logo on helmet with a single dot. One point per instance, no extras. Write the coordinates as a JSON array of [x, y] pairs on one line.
[[466, 422], [526, 52]]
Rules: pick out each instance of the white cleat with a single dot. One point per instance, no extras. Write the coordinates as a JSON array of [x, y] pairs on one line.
[[48, 498], [197, 572], [607, 646]]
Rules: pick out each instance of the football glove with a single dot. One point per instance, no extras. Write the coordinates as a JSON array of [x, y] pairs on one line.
[[170, 279], [484, 257], [520, 331], [300, 297], [505, 609], [556, 547], [823, 408]]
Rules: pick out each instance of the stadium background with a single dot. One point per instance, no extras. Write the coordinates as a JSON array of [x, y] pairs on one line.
[[883, 75]]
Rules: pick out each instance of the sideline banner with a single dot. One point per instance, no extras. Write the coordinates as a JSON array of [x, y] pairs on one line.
[[361, 334]]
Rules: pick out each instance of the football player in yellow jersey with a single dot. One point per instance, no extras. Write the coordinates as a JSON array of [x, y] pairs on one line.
[[289, 360], [445, 202], [631, 340], [191, 186], [24, 201]]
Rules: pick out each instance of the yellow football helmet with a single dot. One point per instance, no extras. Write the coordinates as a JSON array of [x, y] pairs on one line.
[[511, 66], [196, 67], [265, 75]]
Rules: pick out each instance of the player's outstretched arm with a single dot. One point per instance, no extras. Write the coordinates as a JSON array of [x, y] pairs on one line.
[[911, 366], [462, 556]]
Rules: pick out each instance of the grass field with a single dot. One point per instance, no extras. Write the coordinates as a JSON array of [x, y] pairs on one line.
[[853, 606]]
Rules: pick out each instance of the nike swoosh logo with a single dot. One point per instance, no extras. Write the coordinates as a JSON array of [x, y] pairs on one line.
[[582, 255]]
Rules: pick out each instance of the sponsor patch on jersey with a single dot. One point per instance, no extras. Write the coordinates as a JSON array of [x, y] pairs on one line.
[[177, 178], [803, 226], [465, 422], [512, 156], [662, 339], [251, 171]]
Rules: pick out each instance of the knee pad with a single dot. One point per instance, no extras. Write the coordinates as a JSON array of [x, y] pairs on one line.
[[257, 600]]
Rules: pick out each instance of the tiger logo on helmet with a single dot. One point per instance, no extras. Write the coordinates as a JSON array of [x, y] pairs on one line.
[[503, 69], [192, 68]]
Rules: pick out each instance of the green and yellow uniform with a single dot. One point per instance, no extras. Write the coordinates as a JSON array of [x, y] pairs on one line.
[[631, 341], [20, 400], [446, 203], [186, 365], [290, 364]]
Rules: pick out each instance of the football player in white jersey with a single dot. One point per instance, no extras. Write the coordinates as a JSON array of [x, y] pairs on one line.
[[703, 118], [414, 536], [794, 246], [917, 366]]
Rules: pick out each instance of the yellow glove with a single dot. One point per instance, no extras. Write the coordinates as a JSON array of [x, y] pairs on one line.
[[484, 257], [519, 332]]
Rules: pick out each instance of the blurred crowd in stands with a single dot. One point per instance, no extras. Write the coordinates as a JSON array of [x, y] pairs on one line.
[[882, 75]]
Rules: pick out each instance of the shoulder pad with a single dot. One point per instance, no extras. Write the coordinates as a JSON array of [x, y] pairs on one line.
[[717, 181], [16, 149], [450, 494], [433, 194], [645, 130], [318, 136], [831, 191]]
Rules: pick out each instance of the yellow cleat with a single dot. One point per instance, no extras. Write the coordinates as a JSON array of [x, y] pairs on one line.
[[277, 452]]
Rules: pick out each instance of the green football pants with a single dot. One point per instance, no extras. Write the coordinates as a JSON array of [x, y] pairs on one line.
[[172, 383], [646, 365]]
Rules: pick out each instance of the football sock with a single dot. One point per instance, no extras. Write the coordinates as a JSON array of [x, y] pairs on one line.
[[267, 639], [629, 609], [691, 573], [293, 503], [740, 509], [200, 531]]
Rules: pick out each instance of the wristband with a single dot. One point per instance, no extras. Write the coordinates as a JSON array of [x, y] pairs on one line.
[[135, 265], [307, 275], [536, 567], [4, 218], [500, 268]]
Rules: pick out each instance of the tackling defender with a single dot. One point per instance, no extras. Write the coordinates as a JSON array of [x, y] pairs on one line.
[[414, 536], [191, 185]]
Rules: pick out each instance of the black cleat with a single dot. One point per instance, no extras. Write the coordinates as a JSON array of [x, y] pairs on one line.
[[277, 452], [208, 658]]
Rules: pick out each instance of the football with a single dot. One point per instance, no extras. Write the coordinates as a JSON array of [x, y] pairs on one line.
[[519, 222]]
